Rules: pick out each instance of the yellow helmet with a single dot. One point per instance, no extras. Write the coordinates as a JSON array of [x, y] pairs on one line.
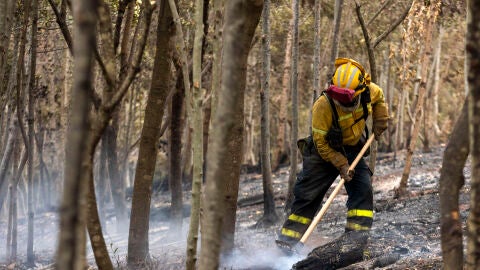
[[349, 74]]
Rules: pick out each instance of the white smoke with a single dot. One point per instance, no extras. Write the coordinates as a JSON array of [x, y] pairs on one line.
[[261, 257]]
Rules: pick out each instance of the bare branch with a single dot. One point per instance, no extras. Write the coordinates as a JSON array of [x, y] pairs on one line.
[[122, 7], [60, 17], [378, 12], [394, 25], [371, 55], [135, 67]]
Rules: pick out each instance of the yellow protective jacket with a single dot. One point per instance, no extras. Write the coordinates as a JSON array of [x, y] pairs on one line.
[[322, 121]]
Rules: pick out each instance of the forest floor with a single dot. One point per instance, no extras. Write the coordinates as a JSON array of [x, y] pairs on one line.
[[410, 226]]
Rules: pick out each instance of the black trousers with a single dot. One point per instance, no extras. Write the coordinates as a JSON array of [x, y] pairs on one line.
[[311, 186]]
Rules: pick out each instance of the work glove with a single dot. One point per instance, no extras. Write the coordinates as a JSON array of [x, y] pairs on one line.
[[380, 118], [379, 127], [345, 173]]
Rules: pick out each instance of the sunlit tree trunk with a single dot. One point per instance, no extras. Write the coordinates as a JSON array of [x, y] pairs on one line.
[[241, 21], [436, 84], [72, 238], [270, 216], [429, 21], [159, 89], [451, 181], [473, 54]]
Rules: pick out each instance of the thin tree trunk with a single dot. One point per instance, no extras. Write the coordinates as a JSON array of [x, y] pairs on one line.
[[117, 186], [473, 54], [31, 134], [93, 222], [142, 190], [294, 99], [270, 216], [429, 21], [196, 122], [241, 21], [436, 84], [316, 52], [336, 36], [72, 238], [177, 124], [282, 145], [451, 181]]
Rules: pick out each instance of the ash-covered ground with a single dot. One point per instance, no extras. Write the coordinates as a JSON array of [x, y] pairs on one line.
[[409, 227]]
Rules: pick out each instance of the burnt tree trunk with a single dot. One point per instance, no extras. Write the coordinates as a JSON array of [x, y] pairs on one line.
[[270, 216]]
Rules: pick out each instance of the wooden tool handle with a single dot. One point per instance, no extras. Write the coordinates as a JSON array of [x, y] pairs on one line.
[[320, 214]]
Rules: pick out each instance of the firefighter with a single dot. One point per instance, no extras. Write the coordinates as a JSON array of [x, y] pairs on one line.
[[338, 134]]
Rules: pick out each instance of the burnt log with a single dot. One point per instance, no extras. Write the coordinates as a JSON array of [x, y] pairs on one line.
[[343, 251]]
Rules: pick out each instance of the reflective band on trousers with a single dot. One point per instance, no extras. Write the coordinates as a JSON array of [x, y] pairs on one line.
[[360, 213], [290, 233], [299, 219], [356, 227]]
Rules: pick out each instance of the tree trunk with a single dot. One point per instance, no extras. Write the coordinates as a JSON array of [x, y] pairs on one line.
[[451, 181], [71, 249], [241, 21], [336, 36], [473, 54], [177, 124], [4, 165], [429, 21], [270, 216], [95, 233], [217, 9], [196, 123], [436, 84], [117, 186], [31, 133], [147, 155], [294, 99], [282, 145], [316, 53]]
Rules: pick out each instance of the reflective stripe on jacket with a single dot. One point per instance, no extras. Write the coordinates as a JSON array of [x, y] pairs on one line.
[[322, 121]]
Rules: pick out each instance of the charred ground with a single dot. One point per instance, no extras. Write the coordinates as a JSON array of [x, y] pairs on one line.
[[409, 227]]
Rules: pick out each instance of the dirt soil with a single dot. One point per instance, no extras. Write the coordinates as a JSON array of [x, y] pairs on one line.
[[409, 227]]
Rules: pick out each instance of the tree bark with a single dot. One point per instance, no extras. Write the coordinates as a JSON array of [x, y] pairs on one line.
[[71, 249], [282, 145], [428, 22], [159, 89], [177, 124], [270, 216], [241, 21], [294, 99], [451, 181], [117, 186], [473, 54], [336, 37], [196, 123], [31, 133]]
